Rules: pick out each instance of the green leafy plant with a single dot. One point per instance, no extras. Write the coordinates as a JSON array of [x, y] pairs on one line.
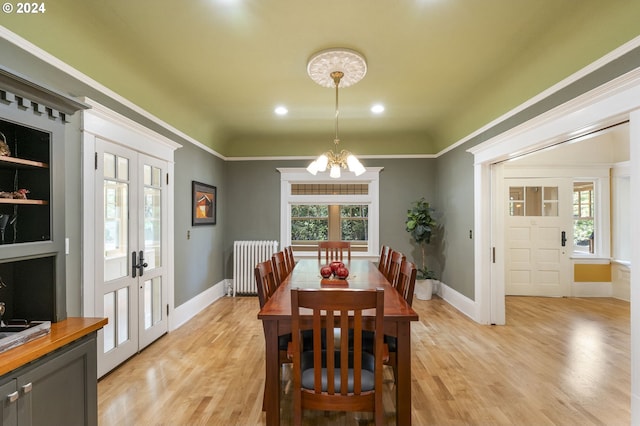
[[420, 224]]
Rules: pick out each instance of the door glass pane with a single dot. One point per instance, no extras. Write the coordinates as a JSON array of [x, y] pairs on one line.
[[146, 173], [152, 219], [152, 302], [155, 179], [109, 166], [123, 168], [551, 193], [533, 199], [116, 230], [516, 201], [550, 208], [109, 329], [123, 315]]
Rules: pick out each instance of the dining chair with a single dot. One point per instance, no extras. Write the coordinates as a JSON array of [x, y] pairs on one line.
[[407, 281], [406, 286], [334, 250], [383, 262], [279, 264], [288, 256], [342, 378], [266, 284], [395, 262], [265, 281]]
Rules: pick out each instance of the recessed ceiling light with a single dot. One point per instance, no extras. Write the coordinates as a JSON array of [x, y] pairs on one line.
[[280, 110], [377, 109]]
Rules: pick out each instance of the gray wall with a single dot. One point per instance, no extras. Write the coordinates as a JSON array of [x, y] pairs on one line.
[[198, 259], [401, 183], [254, 201], [73, 214], [455, 251]]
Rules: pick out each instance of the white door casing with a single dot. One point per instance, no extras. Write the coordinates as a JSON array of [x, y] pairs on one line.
[[102, 126]]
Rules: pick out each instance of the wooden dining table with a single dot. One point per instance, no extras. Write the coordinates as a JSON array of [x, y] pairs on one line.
[[363, 274]]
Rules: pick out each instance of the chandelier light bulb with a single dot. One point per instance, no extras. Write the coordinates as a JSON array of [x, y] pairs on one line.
[[355, 166], [322, 163], [313, 168], [335, 171]]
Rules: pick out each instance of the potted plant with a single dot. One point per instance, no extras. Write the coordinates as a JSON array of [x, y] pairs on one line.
[[420, 224]]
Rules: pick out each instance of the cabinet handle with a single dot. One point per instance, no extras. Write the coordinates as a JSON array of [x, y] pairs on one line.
[[12, 397], [27, 388]]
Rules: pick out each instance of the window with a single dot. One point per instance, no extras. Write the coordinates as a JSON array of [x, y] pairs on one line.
[[354, 223], [316, 208], [312, 223], [583, 217], [309, 223]]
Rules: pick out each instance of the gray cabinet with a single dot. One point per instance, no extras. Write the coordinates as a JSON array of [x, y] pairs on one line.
[[9, 406], [58, 389], [32, 224]]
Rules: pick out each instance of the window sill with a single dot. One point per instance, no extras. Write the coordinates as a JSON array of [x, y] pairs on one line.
[[590, 259], [624, 263]]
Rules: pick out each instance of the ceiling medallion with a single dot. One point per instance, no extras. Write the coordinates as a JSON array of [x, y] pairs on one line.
[[351, 63]]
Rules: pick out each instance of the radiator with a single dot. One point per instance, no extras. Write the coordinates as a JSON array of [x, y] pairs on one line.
[[246, 255]]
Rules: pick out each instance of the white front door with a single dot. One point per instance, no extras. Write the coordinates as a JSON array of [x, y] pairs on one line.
[[538, 237], [131, 240]]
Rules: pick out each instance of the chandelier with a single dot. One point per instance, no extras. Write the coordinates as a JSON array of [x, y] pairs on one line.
[[336, 67]]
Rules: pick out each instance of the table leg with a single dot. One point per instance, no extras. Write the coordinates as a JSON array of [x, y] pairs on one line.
[[403, 385], [272, 373]]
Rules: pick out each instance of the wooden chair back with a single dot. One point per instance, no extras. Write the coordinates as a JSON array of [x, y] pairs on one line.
[[334, 250], [407, 281], [395, 262], [320, 381], [279, 265], [265, 281], [288, 257], [383, 262]]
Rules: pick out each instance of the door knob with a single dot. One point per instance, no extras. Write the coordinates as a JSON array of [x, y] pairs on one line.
[[563, 239]]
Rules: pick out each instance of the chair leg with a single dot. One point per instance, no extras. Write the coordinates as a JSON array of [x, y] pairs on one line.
[[297, 408], [393, 360], [378, 414]]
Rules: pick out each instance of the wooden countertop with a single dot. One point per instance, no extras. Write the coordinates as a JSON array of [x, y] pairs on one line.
[[62, 333]]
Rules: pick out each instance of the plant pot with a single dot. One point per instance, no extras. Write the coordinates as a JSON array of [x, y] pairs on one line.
[[423, 289]]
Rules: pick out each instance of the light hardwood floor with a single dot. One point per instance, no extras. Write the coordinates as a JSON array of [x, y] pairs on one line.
[[556, 362]]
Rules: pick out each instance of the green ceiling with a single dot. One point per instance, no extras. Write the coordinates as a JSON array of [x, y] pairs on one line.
[[215, 69]]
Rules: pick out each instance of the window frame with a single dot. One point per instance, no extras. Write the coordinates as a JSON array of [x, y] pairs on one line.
[[592, 206], [290, 176], [600, 177]]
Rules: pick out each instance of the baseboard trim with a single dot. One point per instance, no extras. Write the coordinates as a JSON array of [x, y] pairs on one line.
[[458, 301], [192, 307], [591, 289]]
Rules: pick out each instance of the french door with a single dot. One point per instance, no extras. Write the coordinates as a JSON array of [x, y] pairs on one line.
[[131, 278]]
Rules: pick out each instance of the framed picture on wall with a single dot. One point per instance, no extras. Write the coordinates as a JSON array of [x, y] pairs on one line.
[[203, 200]]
